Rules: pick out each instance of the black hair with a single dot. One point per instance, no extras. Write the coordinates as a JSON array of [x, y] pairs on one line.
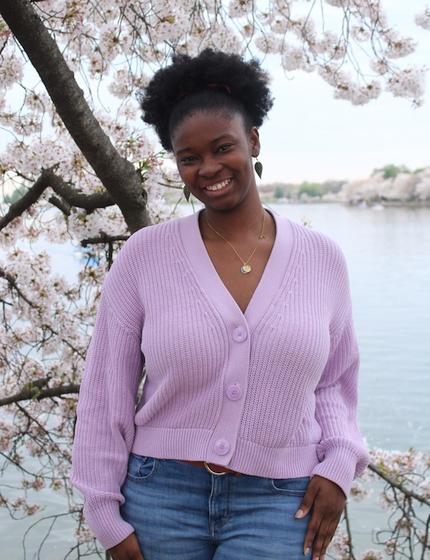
[[213, 80]]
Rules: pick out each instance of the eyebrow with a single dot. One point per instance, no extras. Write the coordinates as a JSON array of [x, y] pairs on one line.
[[211, 142]]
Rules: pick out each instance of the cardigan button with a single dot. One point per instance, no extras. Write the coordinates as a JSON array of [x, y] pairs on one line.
[[239, 334], [222, 446], [234, 392]]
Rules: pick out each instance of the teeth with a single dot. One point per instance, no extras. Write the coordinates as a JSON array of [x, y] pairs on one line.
[[218, 186]]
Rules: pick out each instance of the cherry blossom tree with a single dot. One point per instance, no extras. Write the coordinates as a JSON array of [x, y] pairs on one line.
[[90, 175]]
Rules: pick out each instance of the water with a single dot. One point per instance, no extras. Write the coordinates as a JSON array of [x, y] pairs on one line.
[[388, 256]]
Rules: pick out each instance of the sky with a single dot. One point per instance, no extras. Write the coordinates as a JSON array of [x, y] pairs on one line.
[[311, 136]]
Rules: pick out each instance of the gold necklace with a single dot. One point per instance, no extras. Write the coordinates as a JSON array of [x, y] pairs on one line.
[[245, 268]]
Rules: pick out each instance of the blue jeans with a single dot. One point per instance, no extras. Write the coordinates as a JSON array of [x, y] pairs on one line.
[[183, 512]]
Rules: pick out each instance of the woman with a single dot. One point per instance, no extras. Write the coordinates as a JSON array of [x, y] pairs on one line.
[[244, 443]]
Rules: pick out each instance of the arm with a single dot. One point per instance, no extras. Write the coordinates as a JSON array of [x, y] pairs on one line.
[[105, 413], [342, 452]]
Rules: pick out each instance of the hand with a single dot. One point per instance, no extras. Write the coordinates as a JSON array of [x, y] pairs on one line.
[[327, 500], [128, 549]]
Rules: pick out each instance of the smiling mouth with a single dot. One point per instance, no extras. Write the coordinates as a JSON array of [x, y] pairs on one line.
[[219, 186]]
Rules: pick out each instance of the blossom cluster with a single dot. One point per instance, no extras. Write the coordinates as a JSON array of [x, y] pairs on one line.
[[423, 19]]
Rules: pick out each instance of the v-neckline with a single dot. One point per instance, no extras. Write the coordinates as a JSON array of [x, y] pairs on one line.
[[212, 284]]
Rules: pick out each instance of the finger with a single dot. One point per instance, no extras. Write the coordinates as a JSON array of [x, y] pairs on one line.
[[307, 502], [318, 542], [311, 533], [322, 540], [329, 537], [325, 546]]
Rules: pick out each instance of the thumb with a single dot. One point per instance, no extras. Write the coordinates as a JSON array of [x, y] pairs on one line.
[[307, 502]]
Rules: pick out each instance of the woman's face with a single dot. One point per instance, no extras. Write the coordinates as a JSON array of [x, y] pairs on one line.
[[213, 149]]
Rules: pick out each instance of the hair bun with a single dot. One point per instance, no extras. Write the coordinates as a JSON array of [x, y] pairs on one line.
[[246, 84]]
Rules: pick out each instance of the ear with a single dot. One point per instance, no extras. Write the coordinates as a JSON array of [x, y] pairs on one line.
[[254, 141]]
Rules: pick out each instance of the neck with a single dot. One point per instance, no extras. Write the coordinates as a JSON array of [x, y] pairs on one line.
[[235, 224]]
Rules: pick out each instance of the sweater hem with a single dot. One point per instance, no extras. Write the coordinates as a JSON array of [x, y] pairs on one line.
[[247, 457]]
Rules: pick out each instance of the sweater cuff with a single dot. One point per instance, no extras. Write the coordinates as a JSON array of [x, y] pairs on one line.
[[106, 523], [339, 466]]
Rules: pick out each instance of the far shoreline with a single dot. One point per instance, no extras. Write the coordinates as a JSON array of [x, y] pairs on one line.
[[359, 204]]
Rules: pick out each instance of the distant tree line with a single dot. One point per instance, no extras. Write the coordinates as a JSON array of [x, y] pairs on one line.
[[300, 191], [388, 183]]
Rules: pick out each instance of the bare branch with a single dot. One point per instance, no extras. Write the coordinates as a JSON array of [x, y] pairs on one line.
[[33, 392], [349, 533], [409, 493], [104, 238], [72, 197], [60, 204], [21, 205], [80, 200]]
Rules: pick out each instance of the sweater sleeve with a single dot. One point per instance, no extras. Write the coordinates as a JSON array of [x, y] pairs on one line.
[[105, 429], [342, 452]]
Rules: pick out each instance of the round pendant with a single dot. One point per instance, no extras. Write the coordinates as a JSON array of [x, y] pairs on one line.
[[245, 269]]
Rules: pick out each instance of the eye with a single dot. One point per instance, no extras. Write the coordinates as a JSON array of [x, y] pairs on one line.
[[187, 159], [224, 147]]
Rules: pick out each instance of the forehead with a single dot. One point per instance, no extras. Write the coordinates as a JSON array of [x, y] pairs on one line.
[[203, 127]]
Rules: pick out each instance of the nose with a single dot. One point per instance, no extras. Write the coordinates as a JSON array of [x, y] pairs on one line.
[[209, 167]]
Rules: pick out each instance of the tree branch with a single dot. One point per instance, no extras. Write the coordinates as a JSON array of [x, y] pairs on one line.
[[409, 493], [60, 204], [72, 197], [104, 238], [33, 392], [80, 200], [349, 533], [116, 173], [21, 205]]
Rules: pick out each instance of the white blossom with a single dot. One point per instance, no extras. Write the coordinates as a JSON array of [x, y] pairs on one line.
[[372, 555], [239, 8], [11, 70], [423, 19], [380, 66], [294, 58], [399, 46], [360, 33], [407, 83]]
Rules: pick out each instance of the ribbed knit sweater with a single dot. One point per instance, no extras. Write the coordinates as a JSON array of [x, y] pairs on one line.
[[270, 392]]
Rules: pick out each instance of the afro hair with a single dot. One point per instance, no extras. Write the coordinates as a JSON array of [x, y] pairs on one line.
[[211, 80]]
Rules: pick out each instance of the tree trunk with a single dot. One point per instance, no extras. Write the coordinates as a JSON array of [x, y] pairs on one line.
[[116, 173]]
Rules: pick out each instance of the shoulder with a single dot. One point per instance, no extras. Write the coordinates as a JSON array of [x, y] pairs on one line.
[[139, 251], [152, 235], [319, 247], [149, 234], [139, 246]]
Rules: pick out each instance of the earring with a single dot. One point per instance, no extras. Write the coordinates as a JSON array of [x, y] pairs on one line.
[[186, 192], [258, 166]]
